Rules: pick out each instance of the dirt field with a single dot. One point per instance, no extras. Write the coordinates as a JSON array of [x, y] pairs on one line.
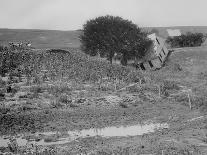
[[175, 95]]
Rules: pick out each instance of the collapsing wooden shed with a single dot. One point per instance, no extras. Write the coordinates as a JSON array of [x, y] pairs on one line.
[[156, 55]]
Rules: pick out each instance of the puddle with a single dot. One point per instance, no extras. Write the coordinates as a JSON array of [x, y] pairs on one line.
[[54, 138]]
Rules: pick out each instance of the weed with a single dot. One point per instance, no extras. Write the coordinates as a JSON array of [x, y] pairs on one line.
[[36, 90], [73, 105], [133, 77], [170, 85], [2, 83], [106, 86], [59, 88], [123, 105], [200, 102], [134, 89], [63, 98], [4, 109], [12, 145], [56, 104]]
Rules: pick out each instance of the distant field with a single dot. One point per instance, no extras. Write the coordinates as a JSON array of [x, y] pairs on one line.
[[42, 38], [183, 29], [69, 39]]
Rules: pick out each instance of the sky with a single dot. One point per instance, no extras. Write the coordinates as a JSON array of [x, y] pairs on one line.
[[72, 14]]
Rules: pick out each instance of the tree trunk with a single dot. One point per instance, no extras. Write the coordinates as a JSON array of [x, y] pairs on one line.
[[110, 59], [111, 55], [124, 60]]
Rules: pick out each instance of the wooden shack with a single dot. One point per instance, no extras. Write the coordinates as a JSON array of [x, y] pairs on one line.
[[156, 55]]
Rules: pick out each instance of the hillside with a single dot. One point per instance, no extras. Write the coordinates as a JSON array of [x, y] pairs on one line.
[[66, 102], [69, 39]]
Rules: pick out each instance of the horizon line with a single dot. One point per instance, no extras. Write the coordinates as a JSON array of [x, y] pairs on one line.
[[81, 29]]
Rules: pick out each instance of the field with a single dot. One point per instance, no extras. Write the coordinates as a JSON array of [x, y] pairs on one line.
[[43, 39], [65, 102], [183, 29]]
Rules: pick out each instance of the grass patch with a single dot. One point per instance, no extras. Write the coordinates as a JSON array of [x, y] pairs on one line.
[[123, 105]]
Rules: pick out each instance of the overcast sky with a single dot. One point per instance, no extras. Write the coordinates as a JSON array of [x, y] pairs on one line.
[[72, 14]]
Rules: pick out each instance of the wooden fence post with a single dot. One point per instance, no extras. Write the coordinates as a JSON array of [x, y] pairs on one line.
[[189, 101], [140, 81]]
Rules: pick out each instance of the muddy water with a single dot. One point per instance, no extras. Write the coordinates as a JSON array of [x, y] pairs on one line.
[[51, 138]]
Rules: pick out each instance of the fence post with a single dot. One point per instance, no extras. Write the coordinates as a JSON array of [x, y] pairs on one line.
[[140, 81], [115, 84], [159, 90], [189, 101]]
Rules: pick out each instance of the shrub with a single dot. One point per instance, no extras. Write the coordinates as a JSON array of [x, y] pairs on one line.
[[2, 83], [12, 145], [9, 61], [106, 86], [133, 77], [59, 88], [123, 105], [67, 66], [200, 102], [63, 98], [135, 89], [4, 110], [56, 104], [36, 90], [170, 85], [186, 40]]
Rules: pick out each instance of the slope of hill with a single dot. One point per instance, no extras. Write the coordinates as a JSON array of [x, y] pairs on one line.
[[59, 92]]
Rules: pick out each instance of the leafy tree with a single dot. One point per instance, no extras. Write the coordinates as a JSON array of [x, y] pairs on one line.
[[187, 40], [107, 35]]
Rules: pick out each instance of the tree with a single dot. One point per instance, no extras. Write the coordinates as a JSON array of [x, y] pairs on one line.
[[107, 35], [186, 40]]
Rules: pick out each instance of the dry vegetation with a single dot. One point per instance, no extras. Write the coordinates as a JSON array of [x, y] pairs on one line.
[[60, 90]]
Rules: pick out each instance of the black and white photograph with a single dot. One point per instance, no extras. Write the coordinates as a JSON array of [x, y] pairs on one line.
[[103, 77]]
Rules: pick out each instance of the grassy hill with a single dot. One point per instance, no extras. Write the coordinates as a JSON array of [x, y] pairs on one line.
[[62, 91], [69, 39]]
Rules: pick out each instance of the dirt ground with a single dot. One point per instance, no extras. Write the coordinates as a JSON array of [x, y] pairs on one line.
[[89, 105]]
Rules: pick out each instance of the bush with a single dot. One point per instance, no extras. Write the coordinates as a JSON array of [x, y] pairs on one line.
[[170, 85], [187, 40], [135, 89], [56, 104], [36, 90], [2, 83], [200, 102], [64, 99], [73, 65], [9, 61], [107, 86], [4, 110], [123, 105], [59, 88], [133, 77]]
